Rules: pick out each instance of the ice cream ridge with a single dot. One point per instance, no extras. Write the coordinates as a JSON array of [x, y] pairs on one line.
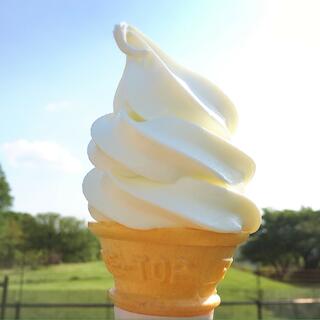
[[165, 187]]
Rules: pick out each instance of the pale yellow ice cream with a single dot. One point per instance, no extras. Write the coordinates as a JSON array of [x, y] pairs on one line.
[[164, 157]]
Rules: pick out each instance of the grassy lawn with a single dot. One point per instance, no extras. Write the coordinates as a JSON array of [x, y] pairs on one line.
[[87, 282]]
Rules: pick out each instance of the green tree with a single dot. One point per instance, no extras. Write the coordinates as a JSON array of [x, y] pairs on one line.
[[307, 234], [46, 236], [76, 241], [63, 239], [273, 244], [15, 231], [5, 197], [286, 239], [11, 241]]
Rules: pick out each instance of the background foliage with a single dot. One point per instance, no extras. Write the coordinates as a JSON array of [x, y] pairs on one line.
[[287, 242], [45, 238]]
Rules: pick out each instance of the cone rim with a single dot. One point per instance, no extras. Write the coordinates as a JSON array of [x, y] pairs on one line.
[[168, 236]]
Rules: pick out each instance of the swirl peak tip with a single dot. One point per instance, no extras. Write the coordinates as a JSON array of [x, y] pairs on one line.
[[119, 26], [120, 33]]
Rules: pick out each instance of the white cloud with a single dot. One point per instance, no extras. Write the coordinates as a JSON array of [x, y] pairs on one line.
[[59, 106], [41, 153]]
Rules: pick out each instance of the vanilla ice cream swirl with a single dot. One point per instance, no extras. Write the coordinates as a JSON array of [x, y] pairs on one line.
[[163, 158]]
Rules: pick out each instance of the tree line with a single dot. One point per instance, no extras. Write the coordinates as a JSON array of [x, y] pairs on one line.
[[287, 239], [45, 238]]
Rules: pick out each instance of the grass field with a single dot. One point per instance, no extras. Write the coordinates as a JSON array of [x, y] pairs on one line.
[[87, 282]]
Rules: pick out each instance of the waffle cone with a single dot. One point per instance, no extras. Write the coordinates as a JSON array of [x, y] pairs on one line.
[[168, 271]]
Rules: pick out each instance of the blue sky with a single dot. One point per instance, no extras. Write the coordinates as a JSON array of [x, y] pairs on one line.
[[59, 69]]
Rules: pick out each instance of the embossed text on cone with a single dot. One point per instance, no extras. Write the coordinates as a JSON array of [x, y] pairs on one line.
[[167, 271]]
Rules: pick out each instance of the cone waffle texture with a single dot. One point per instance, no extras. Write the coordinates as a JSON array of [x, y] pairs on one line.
[[167, 271]]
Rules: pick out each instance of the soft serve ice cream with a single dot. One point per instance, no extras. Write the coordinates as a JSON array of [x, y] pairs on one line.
[[163, 158], [165, 188]]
